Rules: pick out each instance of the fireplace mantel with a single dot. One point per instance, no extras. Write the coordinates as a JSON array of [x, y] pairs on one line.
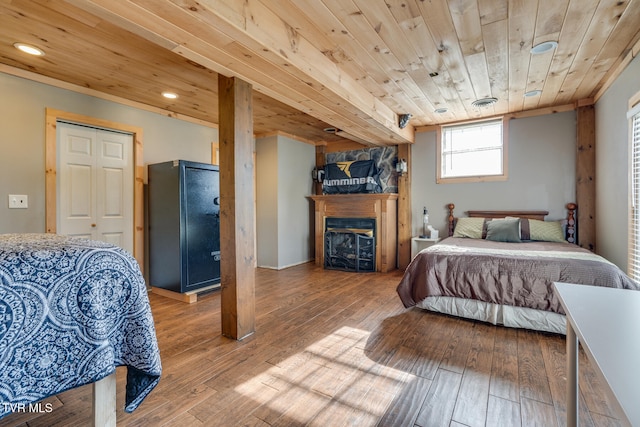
[[381, 206]]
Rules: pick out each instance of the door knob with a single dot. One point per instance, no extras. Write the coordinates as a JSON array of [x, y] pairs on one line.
[[93, 225]]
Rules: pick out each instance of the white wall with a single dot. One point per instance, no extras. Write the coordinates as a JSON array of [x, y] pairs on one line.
[[295, 233], [267, 202], [22, 133], [541, 174], [283, 173], [612, 166]]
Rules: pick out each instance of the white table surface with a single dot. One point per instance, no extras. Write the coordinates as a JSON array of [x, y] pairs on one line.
[[607, 324]]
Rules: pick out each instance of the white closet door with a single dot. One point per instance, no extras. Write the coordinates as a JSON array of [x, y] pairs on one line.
[[95, 184]]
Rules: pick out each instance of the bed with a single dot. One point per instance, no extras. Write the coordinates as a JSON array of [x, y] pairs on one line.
[[71, 311], [499, 267]]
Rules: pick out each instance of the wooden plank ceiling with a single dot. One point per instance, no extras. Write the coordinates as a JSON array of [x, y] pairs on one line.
[[354, 65]]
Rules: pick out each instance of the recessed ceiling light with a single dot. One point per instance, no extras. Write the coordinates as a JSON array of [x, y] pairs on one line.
[[484, 102], [534, 92], [441, 110], [544, 47], [170, 95], [27, 48]]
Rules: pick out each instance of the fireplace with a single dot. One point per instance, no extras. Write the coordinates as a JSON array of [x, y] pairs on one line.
[[350, 244], [379, 208]]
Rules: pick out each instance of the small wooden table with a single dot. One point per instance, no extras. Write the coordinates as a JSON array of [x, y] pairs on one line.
[[607, 323]]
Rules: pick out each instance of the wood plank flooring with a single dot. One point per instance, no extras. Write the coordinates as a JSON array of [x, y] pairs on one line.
[[338, 349]]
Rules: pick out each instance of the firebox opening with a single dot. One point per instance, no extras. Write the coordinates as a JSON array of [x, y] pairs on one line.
[[350, 244]]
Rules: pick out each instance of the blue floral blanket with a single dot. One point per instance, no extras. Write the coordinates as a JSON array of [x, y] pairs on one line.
[[71, 311]]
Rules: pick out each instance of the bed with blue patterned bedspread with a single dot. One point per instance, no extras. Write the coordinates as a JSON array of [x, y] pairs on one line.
[[71, 311]]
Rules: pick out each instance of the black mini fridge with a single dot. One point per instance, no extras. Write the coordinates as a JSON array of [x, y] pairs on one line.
[[184, 225]]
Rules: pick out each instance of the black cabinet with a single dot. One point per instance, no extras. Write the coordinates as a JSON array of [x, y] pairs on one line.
[[184, 225]]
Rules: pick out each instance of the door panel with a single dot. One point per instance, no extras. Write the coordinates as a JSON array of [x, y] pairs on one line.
[[76, 180], [113, 201], [115, 179], [113, 238], [79, 186], [112, 149]]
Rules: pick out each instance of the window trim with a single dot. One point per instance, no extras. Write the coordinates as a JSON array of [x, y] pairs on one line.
[[633, 246], [477, 178]]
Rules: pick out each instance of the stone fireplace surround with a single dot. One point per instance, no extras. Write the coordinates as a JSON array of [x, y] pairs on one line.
[[381, 206]]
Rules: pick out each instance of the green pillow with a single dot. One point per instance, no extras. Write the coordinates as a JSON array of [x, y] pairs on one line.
[[469, 227], [504, 230], [547, 231]]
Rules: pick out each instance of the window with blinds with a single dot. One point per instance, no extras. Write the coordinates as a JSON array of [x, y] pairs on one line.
[[634, 223]]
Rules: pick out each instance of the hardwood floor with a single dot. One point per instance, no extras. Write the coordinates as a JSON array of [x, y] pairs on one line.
[[338, 349]]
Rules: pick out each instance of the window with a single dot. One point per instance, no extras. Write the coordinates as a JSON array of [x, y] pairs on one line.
[[472, 152], [634, 223]]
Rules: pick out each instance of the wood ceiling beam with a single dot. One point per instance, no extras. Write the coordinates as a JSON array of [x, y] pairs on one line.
[[244, 38]]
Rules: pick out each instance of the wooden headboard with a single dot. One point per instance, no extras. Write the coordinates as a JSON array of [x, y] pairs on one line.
[[539, 215]]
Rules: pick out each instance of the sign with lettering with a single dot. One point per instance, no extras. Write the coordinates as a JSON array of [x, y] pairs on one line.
[[359, 176]]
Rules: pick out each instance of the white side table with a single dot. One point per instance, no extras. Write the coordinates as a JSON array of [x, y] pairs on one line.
[[419, 243], [604, 321]]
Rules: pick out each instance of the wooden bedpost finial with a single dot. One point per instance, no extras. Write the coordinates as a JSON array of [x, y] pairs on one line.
[[451, 218], [571, 223]]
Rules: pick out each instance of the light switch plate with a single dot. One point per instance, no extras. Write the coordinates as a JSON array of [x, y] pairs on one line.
[[18, 201]]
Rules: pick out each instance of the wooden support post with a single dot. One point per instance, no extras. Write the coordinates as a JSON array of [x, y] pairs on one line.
[[237, 210], [586, 176], [404, 209]]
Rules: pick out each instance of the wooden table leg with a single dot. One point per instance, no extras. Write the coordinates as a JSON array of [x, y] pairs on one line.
[[104, 402], [572, 377]]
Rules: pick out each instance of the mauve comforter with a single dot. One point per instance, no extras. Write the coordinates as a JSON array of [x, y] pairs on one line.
[[515, 274]]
